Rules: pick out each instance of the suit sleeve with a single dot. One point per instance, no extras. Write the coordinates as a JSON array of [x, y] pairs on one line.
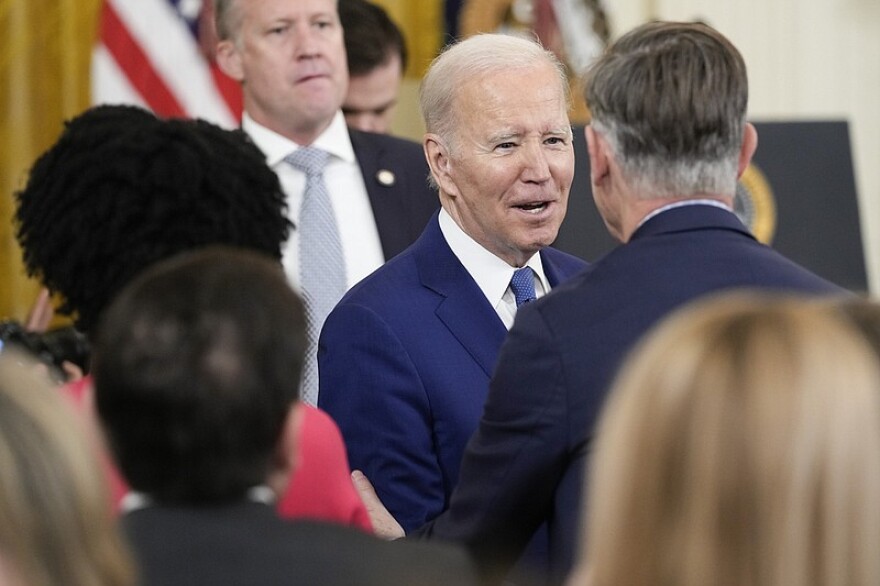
[[517, 456], [371, 387]]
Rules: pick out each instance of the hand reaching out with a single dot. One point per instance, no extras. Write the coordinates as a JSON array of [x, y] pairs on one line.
[[384, 524]]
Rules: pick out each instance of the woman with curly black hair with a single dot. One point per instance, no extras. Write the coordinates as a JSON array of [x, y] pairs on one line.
[[121, 190]]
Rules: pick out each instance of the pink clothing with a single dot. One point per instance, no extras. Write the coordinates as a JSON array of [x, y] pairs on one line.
[[320, 487]]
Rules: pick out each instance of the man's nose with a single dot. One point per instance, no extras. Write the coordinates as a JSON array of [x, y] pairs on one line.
[[536, 167], [366, 122], [306, 42]]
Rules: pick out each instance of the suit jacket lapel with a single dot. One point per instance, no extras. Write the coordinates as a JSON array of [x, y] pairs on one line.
[[551, 271], [464, 309], [389, 202]]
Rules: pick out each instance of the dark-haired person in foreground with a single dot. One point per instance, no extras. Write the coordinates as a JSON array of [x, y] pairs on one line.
[[377, 56], [121, 190], [197, 364], [667, 141]]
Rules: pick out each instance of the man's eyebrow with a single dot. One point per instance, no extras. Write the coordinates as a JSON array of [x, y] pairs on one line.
[[504, 135], [563, 130], [380, 108]]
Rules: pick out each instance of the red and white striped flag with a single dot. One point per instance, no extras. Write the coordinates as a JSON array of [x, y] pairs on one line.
[[159, 54]]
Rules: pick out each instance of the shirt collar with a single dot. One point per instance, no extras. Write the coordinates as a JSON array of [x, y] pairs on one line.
[[684, 203], [133, 500], [335, 140], [491, 273]]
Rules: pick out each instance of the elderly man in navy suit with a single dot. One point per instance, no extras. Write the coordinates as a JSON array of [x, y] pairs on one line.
[[406, 356], [667, 141], [355, 198]]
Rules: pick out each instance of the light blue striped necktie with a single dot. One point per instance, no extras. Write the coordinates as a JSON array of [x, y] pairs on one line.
[[321, 263], [523, 285]]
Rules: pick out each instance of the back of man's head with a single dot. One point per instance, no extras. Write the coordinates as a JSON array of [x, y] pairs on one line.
[[197, 365], [371, 37], [671, 99]]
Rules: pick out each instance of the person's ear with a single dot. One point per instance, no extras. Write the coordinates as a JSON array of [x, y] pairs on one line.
[[597, 148], [748, 148], [437, 154], [286, 456], [229, 60]]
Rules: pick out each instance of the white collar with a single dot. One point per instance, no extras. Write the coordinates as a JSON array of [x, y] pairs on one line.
[[335, 140], [133, 500], [491, 273], [684, 203]]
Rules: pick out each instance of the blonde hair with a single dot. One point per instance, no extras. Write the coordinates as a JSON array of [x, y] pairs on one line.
[[56, 522], [740, 446]]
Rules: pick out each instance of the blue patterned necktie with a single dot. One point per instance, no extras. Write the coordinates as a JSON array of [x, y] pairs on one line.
[[321, 263], [523, 285]]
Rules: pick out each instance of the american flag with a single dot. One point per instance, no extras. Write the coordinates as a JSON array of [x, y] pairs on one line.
[[160, 54]]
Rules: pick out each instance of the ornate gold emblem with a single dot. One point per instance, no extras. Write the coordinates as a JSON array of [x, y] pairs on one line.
[[755, 205]]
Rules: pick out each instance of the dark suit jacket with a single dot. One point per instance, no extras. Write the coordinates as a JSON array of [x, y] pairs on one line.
[[246, 544], [403, 208], [525, 463], [405, 360]]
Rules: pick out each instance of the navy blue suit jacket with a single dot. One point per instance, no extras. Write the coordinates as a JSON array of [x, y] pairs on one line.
[[402, 208], [525, 463], [405, 360]]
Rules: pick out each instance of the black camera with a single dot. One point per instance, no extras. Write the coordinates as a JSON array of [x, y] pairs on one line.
[[53, 347]]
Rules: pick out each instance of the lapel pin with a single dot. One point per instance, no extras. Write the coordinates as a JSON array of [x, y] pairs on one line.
[[385, 177]]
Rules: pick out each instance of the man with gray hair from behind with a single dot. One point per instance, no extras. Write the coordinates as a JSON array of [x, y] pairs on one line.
[[667, 142]]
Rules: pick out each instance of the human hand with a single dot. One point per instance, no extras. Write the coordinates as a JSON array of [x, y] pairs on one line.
[[41, 313], [72, 372], [384, 524]]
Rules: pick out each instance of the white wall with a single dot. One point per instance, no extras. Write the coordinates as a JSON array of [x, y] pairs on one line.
[[807, 59]]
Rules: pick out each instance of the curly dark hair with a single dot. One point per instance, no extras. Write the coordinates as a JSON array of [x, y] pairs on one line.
[[122, 189]]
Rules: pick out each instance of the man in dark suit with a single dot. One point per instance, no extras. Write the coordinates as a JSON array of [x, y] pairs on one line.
[[196, 369], [377, 60], [406, 356], [667, 142], [290, 58]]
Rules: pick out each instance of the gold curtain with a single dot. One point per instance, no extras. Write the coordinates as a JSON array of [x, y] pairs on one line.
[[45, 54], [422, 25], [45, 51]]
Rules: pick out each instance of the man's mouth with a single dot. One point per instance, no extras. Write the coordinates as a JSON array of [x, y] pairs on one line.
[[533, 207], [312, 77]]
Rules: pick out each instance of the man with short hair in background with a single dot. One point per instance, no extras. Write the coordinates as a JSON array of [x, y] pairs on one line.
[[377, 59], [356, 199]]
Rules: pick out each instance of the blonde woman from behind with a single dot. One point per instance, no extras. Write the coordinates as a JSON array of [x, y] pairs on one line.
[[56, 524], [739, 448]]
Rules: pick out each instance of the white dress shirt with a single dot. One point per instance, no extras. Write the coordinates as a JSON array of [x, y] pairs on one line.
[[490, 272], [358, 234], [135, 501]]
